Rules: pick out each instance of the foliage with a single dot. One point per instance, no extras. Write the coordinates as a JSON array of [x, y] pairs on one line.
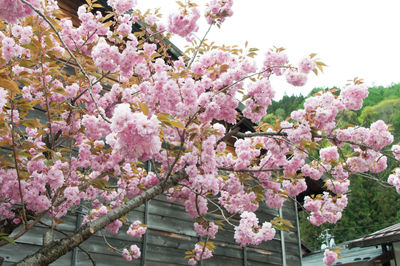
[[370, 205]]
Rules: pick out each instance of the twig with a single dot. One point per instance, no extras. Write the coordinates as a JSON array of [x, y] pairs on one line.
[[260, 134], [28, 227], [222, 212], [246, 77], [198, 47], [250, 170], [25, 221], [108, 244]]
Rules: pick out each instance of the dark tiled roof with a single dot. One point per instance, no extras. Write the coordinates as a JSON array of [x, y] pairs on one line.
[[386, 235]]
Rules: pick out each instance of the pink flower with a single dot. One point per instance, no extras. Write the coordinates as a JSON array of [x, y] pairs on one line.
[[121, 6], [3, 98], [106, 57], [184, 23], [208, 230], [313, 205], [136, 229], [126, 255], [339, 186], [218, 10], [352, 96], [134, 135], [134, 251], [202, 252], [306, 65], [275, 60], [12, 10], [274, 199], [395, 150], [329, 154], [330, 257], [296, 78], [249, 232], [192, 261]]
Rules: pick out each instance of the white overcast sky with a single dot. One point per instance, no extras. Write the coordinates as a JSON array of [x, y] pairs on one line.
[[355, 38]]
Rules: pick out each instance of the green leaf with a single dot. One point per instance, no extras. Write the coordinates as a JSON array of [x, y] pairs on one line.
[[8, 239]]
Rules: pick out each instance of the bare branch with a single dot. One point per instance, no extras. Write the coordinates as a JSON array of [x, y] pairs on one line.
[[250, 170]]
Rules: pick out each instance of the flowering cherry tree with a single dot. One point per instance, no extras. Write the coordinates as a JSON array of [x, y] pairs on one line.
[[111, 98]]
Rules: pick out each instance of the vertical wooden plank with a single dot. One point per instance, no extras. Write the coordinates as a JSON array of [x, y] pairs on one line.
[[244, 256], [145, 221], [283, 247], [298, 231]]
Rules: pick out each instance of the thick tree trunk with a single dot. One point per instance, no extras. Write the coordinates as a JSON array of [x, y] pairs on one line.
[[50, 253]]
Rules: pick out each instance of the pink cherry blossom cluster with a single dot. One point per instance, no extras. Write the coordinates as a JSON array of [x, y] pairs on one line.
[[121, 6], [134, 135], [105, 56], [184, 23], [319, 111], [209, 229], [314, 169], [296, 78], [352, 96], [24, 33], [202, 252], [338, 186], [368, 160], [218, 10], [329, 154], [306, 65], [394, 179], [396, 151], [136, 229], [245, 153], [325, 209], [295, 187], [275, 61], [10, 49], [87, 33], [261, 94], [330, 257], [12, 10], [377, 136], [3, 98], [273, 199], [133, 252], [249, 232]]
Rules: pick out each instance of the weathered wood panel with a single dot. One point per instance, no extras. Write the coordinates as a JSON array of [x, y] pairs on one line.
[[170, 233]]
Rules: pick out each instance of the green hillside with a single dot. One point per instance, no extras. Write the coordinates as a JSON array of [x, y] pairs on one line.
[[373, 204]]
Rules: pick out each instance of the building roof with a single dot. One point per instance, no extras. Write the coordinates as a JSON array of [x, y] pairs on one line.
[[385, 235], [349, 256]]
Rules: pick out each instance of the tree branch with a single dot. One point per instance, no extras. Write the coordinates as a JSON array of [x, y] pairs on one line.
[[52, 252], [250, 170]]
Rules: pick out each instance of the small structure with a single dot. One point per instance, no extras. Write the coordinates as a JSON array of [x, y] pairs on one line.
[[389, 241], [350, 257], [379, 248]]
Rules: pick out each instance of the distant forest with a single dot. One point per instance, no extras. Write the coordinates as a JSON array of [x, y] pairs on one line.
[[372, 204]]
